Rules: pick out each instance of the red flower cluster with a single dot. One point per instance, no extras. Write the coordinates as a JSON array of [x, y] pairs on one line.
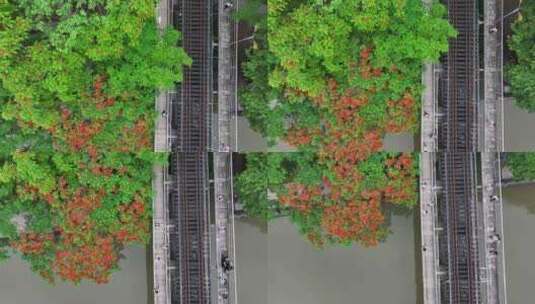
[[348, 211], [299, 137], [32, 243], [355, 220], [93, 260], [402, 113], [366, 70], [80, 134], [400, 185], [300, 197]]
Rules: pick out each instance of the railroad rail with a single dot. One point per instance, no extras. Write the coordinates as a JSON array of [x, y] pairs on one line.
[[189, 202], [191, 252], [459, 198], [464, 215], [458, 136], [459, 82], [196, 85]]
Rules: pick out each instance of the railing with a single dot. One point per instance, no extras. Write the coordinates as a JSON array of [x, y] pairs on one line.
[[500, 15], [160, 221], [493, 230], [499, 227]]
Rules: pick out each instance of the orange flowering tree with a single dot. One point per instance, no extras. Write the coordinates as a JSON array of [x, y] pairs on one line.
[[353, 61], [332, 80], [331, 202], [77, 100], [87, 194]]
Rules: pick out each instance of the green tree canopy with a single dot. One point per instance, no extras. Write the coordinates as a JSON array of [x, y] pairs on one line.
[[331, 80], [315, 42], [522, 73], [78, 81], [522, 165], [325, 208], [265, 173]]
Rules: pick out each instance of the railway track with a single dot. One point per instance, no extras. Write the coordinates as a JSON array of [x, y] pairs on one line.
[[459, 81], [457, 170], [193, 249], [195, 88], [189, 213], [458, 140]]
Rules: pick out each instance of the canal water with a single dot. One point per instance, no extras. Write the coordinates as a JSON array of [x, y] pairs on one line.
[[276, 266], [519, 242], [18, 285], [518, 128]]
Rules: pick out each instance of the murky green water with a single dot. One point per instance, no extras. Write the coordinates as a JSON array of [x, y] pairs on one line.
[[519, 241], [276, 266], [297, 273], [519, 126], [18, 285]]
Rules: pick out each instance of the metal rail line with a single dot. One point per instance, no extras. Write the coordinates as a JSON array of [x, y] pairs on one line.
[[460, 80], [189, 208], [457, 137], [195, 86], [193, 253], [460, 209], [457, 170]]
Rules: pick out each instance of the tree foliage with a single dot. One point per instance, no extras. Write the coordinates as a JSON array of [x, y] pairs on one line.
[[78, 82], [522, 165], [328, 205], [363, 49], [331, 80], [522, 74], [315, 43], [265, 173]]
